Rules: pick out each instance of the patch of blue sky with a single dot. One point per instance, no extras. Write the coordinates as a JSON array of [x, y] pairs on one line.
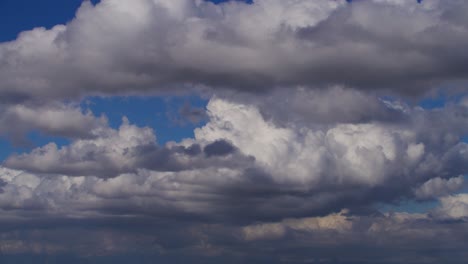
[[163, 114], [19, 15], [433, 102], [465, 139], [408, 207], [441, 100]]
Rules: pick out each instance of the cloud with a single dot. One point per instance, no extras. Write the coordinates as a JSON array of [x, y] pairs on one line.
[[308, 129], [333, 222], [254, 169], [453, 207], [333, 105], [437, 187], [291, 240], [104, 155], [152, 213], [54, 119], [124, 150], [116, 47], [354, 153]]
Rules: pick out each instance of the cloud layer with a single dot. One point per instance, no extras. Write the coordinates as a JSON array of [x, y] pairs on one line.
[[270, 171], [156, 46]]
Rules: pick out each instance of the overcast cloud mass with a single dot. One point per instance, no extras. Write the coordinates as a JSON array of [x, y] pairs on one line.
[[313, 146]]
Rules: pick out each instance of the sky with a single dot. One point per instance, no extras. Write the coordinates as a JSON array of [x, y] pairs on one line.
[[266, 131]]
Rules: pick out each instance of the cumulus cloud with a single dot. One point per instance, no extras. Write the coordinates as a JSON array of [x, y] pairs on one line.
[[117, 47]]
